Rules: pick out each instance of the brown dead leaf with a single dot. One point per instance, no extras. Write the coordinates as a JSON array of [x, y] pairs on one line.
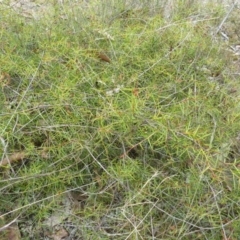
[[15, 157], [60, 234], [5, 79], [135, 92], [77, 196], [103, 57], [13, 232]]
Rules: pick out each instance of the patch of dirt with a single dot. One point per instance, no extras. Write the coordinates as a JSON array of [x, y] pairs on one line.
[[31, 9]]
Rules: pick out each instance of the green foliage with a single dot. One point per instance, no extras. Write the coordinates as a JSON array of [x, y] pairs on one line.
[[140, 137]]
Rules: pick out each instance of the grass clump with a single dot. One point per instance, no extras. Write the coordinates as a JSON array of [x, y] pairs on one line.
[[130, 114]]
